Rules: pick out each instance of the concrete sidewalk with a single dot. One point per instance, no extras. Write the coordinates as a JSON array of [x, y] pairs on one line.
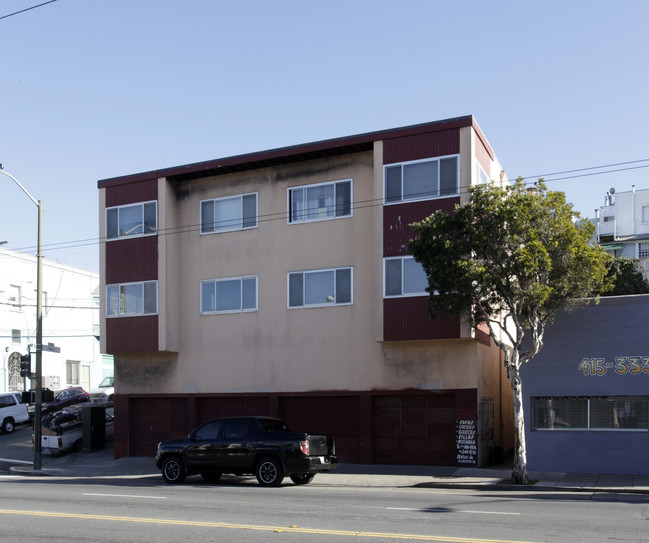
[[101, 464]]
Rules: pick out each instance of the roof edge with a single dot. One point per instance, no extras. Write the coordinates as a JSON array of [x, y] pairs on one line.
[[299, 149]]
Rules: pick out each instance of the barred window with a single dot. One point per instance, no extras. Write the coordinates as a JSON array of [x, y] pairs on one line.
[[591, 413]]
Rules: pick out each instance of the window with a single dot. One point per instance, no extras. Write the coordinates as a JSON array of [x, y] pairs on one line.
[[15, 297], [643, 250], [481, 176], [208, 431], [320, 287], [318, 202], [131, 220], [229, 295], [404, 276], [422, 179], [597, 413], [645, 214], [132, 299], [71, 373], [228, 214], [15, 336]]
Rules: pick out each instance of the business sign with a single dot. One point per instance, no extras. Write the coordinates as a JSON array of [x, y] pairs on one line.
[[623, 365], [466, 438]]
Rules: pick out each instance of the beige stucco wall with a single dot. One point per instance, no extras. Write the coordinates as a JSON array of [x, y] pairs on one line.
[[276, 348]]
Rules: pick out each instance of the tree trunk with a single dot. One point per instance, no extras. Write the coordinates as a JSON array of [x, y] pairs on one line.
[[519, 474]]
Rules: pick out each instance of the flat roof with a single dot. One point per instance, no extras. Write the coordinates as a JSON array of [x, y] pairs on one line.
[[292, 154]]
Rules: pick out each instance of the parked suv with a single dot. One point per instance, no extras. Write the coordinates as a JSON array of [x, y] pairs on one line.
[[12, 411]]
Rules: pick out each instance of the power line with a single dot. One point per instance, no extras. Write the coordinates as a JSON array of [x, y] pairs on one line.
[[27, 9], [361, 204]]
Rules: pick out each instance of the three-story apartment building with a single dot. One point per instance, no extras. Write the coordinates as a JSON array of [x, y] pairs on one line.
[[279, 283]]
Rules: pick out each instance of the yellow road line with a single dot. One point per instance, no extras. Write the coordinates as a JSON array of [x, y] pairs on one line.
[[276, 529]]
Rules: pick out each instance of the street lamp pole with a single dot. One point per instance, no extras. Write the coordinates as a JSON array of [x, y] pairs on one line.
[[38, 400]]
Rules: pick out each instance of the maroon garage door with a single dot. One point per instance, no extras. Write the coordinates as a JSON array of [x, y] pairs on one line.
[[335, 415], [416, 429]]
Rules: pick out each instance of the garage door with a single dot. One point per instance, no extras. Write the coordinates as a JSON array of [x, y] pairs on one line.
[[417, 429], [153, 420], [335, 415]]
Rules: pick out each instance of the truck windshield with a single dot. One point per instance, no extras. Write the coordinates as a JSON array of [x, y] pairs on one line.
[[106, 382]]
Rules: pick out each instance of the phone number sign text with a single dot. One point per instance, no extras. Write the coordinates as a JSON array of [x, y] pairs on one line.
[[623, 365]]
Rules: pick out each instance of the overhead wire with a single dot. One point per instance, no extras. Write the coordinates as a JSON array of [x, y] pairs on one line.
[[360, 204], [27, 9]]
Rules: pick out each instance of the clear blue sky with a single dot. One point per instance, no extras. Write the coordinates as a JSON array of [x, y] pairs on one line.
[[93, 89]]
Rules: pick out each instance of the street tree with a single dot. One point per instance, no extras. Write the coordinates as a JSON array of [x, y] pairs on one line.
[[626, 278], [511, 257]]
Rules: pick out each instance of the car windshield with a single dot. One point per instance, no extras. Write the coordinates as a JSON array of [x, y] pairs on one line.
[[106, 382]]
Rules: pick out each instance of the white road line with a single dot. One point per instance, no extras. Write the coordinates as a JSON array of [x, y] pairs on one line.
[[126, 496], [444, 510]]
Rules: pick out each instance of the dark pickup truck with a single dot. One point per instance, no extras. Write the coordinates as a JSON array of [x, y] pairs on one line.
[[262, 446]]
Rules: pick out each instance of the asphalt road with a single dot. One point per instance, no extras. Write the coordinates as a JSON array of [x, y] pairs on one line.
[[144, 508]]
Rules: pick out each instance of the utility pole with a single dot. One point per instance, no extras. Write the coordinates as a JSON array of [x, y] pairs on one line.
[[38, 399]]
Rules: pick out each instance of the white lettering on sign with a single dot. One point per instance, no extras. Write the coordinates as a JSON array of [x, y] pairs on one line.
[[466, 442]]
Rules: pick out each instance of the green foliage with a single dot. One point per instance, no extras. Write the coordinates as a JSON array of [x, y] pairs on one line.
[[624, 274], [511, 248]]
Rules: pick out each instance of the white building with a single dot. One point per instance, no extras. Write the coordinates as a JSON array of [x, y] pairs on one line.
[[70, 323], [623, 226]]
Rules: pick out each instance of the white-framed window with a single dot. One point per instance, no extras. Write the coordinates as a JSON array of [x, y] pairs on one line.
[[320, 201], [421, 179], [645, 214], [612, 413], [131, 220], [480, 174], [132, 299], [317, 288], [403, 276], [643, 249], [16, 335], [229, 214], [229, 295], [72, 372]]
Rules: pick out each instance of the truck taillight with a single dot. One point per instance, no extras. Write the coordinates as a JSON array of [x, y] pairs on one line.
[[304, 447]]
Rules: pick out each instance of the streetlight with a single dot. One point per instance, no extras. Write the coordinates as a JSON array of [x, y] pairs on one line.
[[38, 400]]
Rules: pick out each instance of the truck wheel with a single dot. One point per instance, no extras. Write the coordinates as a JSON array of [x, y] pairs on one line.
[[269, 472], [173, 470], [302, 478], [78, 445], [8, 426]]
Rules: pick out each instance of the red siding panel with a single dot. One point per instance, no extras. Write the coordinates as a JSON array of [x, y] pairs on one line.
[[397, 217], [127, 335], [131, 193], [129, 260], [415, 147], [406, 319]]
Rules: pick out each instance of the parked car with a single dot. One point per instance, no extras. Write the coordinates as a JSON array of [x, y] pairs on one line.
[[104, 392], [262, 446], [64, 398], [12, 411], [62, 431]]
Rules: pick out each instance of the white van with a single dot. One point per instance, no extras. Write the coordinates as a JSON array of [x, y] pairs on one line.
[[12, 411]]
